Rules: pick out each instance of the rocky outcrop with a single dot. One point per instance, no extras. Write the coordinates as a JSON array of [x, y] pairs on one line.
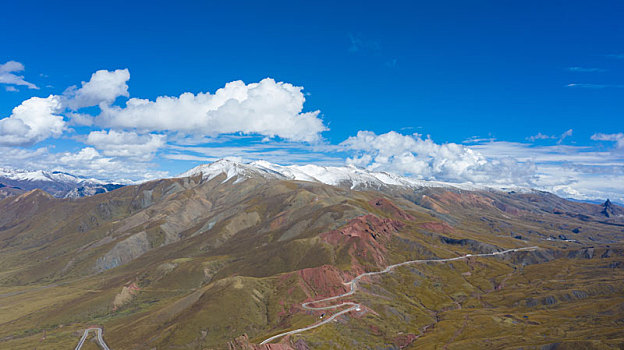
[[611, 210], [365, 238], [125, 296], [389, 208], [124, 252]]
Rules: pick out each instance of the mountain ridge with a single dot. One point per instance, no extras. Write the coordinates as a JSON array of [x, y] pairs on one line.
[[65, 185], [57, 183], [345, 176]]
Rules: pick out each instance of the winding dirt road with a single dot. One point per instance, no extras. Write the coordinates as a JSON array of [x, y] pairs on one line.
[[353, 284], [100, 340]]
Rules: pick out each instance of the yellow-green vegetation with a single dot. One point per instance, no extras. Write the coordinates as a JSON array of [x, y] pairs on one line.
[[189, 264], [487, 303]]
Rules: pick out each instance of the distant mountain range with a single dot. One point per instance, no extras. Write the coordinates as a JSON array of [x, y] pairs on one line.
[[58, 184], [64, 185]]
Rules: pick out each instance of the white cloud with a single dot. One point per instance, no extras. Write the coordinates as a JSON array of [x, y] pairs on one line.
[[568, 171], [11, 88], [89, 162], [8, 76], [563, 136], [277, 152], [539, 136], [266, 108], [126, 144], [617, 138], [189, 157], [424, 159], [80, 119], [594, 86], [37, 119], [560, 138], [103, 87], [86, 162], [34, 120]]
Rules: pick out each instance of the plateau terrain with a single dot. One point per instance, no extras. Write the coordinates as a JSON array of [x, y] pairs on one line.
[[261, 256]]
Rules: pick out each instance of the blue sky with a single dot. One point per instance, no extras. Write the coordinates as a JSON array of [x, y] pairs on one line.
[[533, 90]]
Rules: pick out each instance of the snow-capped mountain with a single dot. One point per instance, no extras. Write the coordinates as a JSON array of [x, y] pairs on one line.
[[58, 184], [345, 176]]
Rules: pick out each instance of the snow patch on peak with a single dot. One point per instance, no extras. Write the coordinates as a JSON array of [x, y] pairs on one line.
[[24, 175], [345, 176], [41, 175], [231, 169], [57, 183]]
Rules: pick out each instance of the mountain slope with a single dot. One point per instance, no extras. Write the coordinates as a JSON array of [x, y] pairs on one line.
[[231, 252]]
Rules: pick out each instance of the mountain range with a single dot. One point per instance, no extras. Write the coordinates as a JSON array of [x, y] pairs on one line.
[[57, 183], [346, 176], [228, 255]]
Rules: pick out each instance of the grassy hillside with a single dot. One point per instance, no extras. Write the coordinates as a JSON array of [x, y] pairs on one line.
[[188, 263]]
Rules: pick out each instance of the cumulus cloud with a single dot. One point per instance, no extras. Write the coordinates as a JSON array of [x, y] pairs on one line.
[[80, 119], [34, 120], [135, 132], [89, 162], [103, 87], [126, 144], [424, 159], [37, 119], [267, 108], [8, 75], [617, 138], [579, 172]]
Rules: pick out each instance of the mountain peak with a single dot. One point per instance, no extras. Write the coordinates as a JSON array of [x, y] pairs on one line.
[[229, 167], [35, 194], [607, 209], [345, 176]]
